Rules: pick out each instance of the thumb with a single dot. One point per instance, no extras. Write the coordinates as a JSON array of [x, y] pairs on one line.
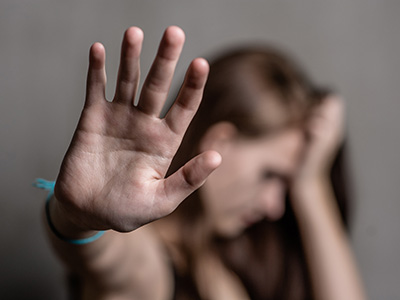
[[191, 176]]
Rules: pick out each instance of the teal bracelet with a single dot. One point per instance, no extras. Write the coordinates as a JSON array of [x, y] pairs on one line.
[[49, 186]]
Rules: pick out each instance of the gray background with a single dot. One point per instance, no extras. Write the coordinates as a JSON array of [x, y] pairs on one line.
[[350, 44]]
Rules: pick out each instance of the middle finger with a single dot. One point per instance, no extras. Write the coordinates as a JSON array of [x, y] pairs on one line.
[[129, 69], [158, 81]]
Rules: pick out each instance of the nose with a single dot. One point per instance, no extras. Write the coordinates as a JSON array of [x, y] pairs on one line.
[[271, 200]]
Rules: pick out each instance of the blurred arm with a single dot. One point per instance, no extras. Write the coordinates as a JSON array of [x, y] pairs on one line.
[[331, 263], [332, 266]]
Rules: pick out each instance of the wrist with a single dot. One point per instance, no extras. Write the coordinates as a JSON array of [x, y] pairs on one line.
[[306, 182], [310, 193], [64, 226]]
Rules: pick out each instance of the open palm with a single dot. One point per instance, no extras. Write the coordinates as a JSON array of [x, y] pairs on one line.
[[113, 175]]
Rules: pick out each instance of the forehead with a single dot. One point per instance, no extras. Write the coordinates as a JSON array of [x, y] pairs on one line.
[[279, 151], [273, 114]]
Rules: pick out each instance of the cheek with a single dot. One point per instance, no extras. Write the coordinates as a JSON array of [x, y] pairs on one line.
[[230, 186], [238, 177]]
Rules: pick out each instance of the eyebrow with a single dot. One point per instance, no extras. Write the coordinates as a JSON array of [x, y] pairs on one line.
[[276, 174]]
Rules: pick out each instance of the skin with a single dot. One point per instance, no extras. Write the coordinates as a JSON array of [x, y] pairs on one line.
[[332, 266], [113, 177], [252, 181]]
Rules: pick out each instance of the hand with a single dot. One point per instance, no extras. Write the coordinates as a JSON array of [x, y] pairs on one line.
[[112, 176], [324, 135]]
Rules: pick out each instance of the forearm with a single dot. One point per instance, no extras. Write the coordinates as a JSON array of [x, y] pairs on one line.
[[101, 264], [331, 263], [115, 266]]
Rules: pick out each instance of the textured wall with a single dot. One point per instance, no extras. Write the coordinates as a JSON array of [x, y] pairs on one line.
[[350, 44]]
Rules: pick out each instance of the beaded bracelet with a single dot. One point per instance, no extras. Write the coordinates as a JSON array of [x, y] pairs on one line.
[[49, 186]]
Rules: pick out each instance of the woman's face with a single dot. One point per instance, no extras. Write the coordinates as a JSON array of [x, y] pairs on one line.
[[252, 181]]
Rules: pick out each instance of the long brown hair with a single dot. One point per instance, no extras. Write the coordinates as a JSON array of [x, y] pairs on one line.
[[259, 90]]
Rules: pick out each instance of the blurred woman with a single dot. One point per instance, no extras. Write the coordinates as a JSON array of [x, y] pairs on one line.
[[268, 223]]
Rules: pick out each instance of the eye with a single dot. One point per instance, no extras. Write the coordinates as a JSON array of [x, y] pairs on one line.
[[269, 174], [274, 175]]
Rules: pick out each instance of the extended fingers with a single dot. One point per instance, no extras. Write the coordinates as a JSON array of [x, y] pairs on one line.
[[189, 98], [96, 78], [129, 68], [158, 81]]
